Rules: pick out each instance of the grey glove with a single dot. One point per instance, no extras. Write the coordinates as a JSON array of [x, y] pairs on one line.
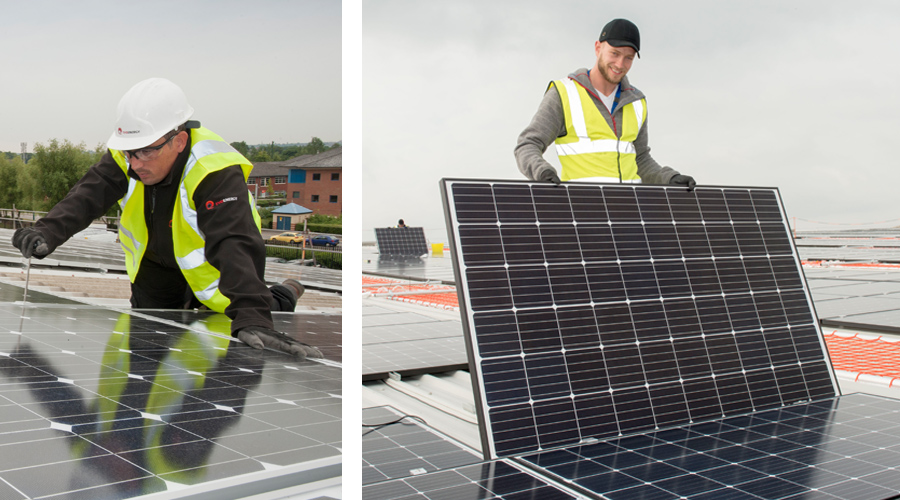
[[258, 337], [549, 175], [30, 241], [684, 180]]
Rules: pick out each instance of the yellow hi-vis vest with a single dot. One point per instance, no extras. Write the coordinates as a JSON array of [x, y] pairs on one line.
[[590, 149], [209, 153]]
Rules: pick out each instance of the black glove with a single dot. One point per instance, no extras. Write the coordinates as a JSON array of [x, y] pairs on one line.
[[258, 337], [549, 175], [684, 180], [30, 242]]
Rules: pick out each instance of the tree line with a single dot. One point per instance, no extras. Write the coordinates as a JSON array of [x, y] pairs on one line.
[[276, 152], [53, 168]]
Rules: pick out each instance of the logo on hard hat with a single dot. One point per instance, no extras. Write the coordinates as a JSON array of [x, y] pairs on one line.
[[126, 132]]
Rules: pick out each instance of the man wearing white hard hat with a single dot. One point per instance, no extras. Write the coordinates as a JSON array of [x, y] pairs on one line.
[[189, 229]]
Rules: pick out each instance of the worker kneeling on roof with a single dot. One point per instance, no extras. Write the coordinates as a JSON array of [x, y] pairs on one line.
[[598, 121], [189, 229]]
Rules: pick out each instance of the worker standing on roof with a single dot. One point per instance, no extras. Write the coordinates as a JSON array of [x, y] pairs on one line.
[[598, 121], [189, 229]]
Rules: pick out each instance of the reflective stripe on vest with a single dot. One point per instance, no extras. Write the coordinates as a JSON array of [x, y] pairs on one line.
[[197, 257], [590, 148], [198, 150], [209, 153]]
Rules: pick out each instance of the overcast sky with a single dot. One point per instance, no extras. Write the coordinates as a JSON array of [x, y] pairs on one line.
[[799, 95], [253, 71]]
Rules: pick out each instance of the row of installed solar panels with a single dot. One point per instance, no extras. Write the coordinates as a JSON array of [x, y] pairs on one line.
[[872, 245], [107, 256], [671, 352]]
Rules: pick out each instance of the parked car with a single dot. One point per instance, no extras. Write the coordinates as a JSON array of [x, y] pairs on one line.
[[324, 240], [288, 237]]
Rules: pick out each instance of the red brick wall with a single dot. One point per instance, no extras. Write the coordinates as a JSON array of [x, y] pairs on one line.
[[325, 188]]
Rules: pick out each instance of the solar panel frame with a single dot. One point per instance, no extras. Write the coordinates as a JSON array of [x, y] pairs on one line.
[[598, 217]]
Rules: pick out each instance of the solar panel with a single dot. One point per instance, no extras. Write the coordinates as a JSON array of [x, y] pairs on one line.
[[401, 241], [431, 268], [843, 306], [498, 480], [99, 403], [409, 344], [311, 277], [397, 318], [597, 311], [839, 448], [406, 448], [108, 256]]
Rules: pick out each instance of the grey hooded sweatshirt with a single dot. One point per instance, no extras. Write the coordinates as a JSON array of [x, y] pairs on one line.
[[549, 123]]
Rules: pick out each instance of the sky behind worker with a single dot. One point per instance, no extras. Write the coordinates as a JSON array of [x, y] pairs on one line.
[[598, 121], [190, 232]]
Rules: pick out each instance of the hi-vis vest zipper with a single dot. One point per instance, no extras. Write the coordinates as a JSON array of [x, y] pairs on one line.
[[209, 153], [590, 149]]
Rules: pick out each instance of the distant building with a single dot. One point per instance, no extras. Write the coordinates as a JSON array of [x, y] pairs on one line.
[[268, 179], [313, 181], [288, 217]]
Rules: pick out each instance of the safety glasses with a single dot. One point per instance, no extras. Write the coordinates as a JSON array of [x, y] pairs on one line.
[[150, 152]]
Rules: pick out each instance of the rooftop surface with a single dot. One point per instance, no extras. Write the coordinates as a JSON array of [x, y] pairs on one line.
[[853, 279]]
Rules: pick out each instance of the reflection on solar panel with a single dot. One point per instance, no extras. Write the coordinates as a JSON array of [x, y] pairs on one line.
[[596, 311], [494, 480], [834, 448], [104, 404], [409, 344], [401, 241], [406, 448]]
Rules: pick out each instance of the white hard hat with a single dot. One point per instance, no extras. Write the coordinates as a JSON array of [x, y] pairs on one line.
[[148, 111]]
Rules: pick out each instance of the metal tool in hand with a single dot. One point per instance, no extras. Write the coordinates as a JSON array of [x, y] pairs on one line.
[[25, 293], [27, 276]]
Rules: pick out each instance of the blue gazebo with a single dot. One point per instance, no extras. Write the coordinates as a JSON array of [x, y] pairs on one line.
[[286, 217]]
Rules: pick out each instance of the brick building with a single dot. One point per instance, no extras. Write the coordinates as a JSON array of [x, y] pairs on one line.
[[268, 179], [312, 181]]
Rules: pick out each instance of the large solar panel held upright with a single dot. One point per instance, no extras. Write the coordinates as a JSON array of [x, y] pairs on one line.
[[401, 241], [593, 311]]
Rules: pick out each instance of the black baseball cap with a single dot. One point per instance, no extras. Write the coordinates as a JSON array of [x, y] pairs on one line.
[[622, 33]]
